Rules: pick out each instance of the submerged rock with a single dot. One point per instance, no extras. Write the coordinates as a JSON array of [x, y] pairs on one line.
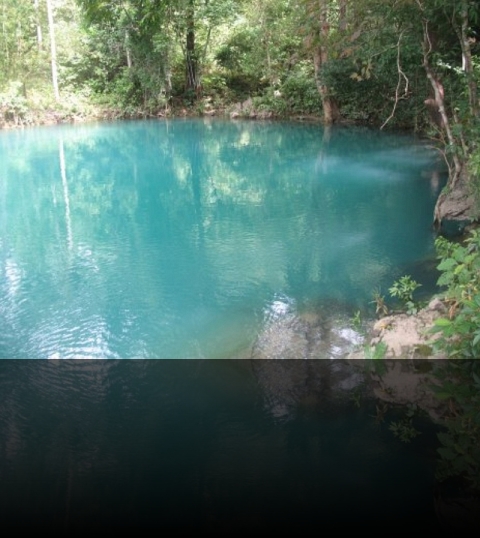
[[288, 381], [307, 336]]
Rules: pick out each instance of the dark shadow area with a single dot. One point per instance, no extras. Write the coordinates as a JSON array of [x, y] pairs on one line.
[[207, 445]]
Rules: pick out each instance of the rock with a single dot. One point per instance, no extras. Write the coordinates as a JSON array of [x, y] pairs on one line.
[[264, 115], [457, 204], [381, 325], [436, 305]]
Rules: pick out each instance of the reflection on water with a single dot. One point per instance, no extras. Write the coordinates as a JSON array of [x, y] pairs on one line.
[[202, 445], [181, 239]]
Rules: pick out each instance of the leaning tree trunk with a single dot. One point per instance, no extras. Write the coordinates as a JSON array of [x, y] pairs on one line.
[[440, 104]]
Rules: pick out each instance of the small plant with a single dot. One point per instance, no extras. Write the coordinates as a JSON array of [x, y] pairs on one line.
[[379, 302], [424, 350], [403, 289], [13, 104], [356, 321], [376, 351]]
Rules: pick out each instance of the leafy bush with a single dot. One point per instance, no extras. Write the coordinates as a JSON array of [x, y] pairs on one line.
[[300, 92], [243, 85], [459, 375], [459, 332], [13, 105], [365, 90]]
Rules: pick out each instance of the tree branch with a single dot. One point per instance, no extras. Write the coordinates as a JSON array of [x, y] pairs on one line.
[[401, 75]]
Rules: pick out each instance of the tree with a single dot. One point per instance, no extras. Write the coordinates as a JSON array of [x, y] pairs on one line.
[[53, 49], [158, 34], [19, 53], [321, 23]]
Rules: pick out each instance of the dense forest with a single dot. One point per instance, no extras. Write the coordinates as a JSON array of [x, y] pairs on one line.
[[409, 64]]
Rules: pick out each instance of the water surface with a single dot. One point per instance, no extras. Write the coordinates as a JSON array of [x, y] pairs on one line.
[[190, 238]]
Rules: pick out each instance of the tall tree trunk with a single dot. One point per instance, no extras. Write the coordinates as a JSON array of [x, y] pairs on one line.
[[342, 16], [192, 82], [39, 28], [53, 50], [127, 50], [331, 111]]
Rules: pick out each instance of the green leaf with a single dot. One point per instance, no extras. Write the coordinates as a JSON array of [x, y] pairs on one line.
[[476, 340], [443, 322], [447, 264]]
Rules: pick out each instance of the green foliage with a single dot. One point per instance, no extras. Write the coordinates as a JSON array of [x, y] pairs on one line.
[[132, 56], [299, 90], [403, 289], [459, 376], [381, 308], [234, 54], [243, 85], [376, 352], [375, 358], [13, 105], [19, 55], [357, 321], [459, 333]]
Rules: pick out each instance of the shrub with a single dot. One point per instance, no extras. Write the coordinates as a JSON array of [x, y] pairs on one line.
[[13, 105], [460, 267]]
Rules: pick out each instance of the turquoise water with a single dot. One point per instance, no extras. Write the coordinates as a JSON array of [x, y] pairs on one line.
[[192, 238]]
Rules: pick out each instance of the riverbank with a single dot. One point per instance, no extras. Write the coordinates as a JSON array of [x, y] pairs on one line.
[[408, 336], [406, 342], [15, 118]]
